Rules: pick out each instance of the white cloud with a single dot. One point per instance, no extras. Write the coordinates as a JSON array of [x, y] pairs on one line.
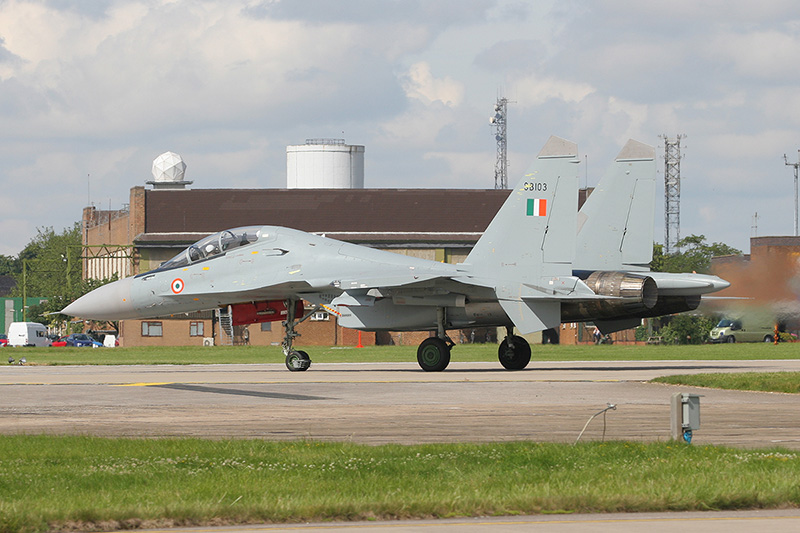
[[420, 84], [537, 90], [462, 169], [756, 145], [770, 54]]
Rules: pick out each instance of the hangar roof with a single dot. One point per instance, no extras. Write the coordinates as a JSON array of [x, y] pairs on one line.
[[356, 215]]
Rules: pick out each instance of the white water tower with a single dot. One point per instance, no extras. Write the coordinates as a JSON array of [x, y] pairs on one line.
[[325, 164]]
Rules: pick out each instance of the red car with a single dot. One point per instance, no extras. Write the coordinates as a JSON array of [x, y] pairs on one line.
[[60, 342], [3, 340]]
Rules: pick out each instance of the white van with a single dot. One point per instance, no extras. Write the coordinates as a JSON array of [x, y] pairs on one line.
[[27, 334]]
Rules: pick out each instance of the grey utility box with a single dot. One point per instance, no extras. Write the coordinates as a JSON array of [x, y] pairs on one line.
[[684, 415]]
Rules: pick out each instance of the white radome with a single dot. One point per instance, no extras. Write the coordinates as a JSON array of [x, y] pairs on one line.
[[168, 167]]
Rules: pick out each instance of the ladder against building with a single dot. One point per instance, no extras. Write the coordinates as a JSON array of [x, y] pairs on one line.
[[225, 321]]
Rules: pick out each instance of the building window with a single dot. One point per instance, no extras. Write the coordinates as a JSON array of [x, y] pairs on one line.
[[266, 326], [151, 329], [320, 316], [196, 329]]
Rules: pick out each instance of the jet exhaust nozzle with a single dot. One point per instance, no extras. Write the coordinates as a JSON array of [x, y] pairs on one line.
[[634, 295]]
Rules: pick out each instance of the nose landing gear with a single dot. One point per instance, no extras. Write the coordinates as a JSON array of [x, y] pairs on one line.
[[296, 360]]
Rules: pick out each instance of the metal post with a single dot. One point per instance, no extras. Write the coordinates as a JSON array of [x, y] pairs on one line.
[[69, 272], [24, 290], [795, 165]]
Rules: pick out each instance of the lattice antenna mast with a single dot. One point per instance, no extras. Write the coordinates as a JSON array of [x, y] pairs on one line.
[[795, 165], [501, 164], [672, 193]]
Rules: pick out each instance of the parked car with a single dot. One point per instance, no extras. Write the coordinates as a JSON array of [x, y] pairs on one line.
[[59, 343], [27, 334], [3, 340], [78, 340]]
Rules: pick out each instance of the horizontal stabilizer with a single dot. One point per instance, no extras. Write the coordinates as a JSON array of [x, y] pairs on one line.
[[531, 316]]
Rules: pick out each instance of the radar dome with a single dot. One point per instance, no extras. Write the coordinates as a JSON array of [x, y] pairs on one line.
[[168, 172], [169, 166]]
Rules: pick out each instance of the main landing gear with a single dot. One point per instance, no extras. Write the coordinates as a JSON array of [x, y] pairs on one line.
[[433, 354], [296, 360], [514, 352]]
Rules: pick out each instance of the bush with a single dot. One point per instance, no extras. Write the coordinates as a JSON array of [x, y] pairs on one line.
[[687, 329]]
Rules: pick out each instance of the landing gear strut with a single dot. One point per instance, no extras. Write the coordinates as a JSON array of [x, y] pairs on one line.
[[514, 352], [296, 360], [433, 354]]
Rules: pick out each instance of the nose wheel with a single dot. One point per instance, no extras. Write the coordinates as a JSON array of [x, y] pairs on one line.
[[298, 361]]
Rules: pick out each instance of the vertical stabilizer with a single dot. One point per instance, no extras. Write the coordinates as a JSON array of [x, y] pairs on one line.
[[533, 233], [530, 243], [615, 225]]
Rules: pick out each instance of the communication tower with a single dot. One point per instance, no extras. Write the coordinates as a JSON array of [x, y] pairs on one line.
[[672, 193], [499, 122]]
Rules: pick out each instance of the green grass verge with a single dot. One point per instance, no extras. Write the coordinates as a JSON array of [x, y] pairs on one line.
[[325, 354], [788, 382], [51, 483]]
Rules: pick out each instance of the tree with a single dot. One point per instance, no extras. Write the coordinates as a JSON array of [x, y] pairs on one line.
[[657, 263], [45, 269], [695, 256], [9, 266]]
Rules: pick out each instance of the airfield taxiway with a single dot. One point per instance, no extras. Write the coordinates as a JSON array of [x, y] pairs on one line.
[[377, 403]]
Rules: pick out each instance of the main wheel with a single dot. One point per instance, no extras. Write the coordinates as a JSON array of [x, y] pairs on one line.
[[730, 339], [769, 338], [298, 361], [433, 355], [515, 358]]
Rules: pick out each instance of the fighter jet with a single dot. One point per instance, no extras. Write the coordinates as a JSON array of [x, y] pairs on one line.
[[520, 274]]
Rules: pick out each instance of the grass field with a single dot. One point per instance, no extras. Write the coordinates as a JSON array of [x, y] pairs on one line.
[[322, 354], [84, 483], [52, 483], [786, 382]]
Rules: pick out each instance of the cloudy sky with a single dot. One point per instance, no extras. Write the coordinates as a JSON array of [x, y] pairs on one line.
[[92, 91]]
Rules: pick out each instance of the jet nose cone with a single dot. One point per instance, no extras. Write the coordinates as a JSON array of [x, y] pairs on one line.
[[109, 302]]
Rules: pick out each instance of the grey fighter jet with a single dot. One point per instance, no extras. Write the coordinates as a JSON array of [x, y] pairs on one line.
[[521, 273]]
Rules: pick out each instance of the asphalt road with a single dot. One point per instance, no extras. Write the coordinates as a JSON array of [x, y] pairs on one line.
[[381, 403]]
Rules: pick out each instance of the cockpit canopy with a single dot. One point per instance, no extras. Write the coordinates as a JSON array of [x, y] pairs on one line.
[[213, 245]]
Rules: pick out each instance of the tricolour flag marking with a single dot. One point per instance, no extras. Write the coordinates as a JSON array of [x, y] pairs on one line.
[[537, 207]]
